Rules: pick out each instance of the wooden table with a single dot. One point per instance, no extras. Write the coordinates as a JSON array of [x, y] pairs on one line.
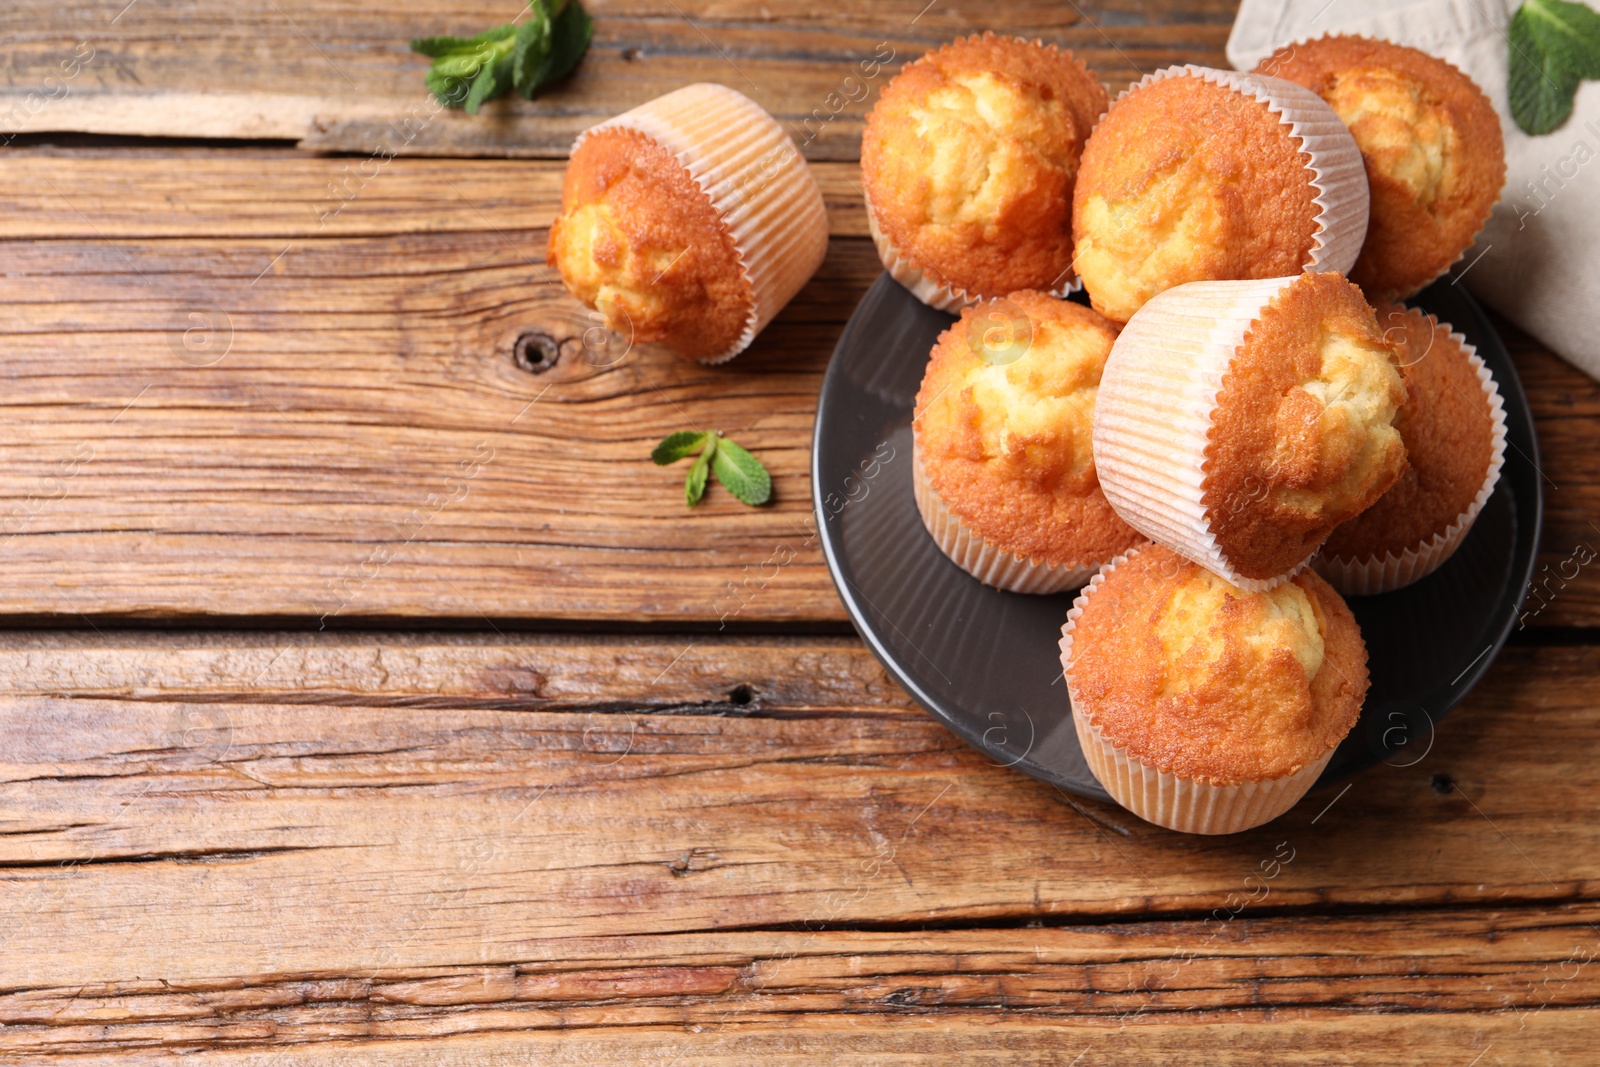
[[371, 698]]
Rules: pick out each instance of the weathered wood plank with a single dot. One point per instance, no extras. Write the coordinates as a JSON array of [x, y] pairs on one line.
[[1114, 985], [207, 840], [340, 77], [369, 340]]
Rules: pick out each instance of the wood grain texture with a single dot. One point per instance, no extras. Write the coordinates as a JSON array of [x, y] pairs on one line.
[[364, 337], [189, 839], [1456, 984], [339, 76]]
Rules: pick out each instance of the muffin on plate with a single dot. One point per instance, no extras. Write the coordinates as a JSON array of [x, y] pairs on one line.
[[690, 220], [1240, 422], [968, 162], [1002, 466], [1434, 153], [1198, 174], [1454, 427], [1201, 707]]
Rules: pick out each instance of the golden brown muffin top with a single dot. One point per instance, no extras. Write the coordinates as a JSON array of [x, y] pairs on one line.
[[1302, 436], [1200, 679], [1185, 180], [1002, 428], [641, 242], [969, 157], [1433, 149], [1448, 428]]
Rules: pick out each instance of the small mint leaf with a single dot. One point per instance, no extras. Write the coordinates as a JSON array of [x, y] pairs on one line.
[[694, 486], [741, 473], [493, 79], [1569, 33], [570, 34], [676, 446], [1539, 87], [531, 49]]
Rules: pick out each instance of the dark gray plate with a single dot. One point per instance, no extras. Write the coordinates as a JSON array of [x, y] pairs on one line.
[[985, 662]]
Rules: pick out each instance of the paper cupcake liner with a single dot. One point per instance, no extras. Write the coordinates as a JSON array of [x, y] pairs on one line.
[[1152, 417], [986, 562], [1161, 797], [758, 183], [1383, 574], [923, 284], [1338, 173]]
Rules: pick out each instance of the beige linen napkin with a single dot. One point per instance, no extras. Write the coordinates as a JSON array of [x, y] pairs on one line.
[[1538, 260]]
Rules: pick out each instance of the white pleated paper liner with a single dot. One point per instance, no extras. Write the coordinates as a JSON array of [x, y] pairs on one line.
[[1390, 571], [757, 181], [1161, 797], [1152, 417], [986, 562]]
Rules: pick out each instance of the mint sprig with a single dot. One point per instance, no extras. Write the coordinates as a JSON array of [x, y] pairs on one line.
[[739, 472], [468, 71], [1553, 45]]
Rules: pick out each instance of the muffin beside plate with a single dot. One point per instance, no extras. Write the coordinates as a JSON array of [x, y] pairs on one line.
[[690, 221]]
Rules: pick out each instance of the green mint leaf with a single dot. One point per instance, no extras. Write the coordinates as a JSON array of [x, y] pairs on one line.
[[438, 47], [694, 486], [1567, 32], [469, 71], [1539, 86], [676, 446], [741, 473], [494, 79], [570, 34], [531, 49]]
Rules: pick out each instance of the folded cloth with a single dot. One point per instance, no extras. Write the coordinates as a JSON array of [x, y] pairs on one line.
[[1538, 260]]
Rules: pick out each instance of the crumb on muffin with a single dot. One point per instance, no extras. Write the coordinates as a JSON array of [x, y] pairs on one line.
[[1198, 678], [640, 241], [1448, 428], [1187, 180], [1302, 436], [1431, 142], [1003, 423], [969, 158]]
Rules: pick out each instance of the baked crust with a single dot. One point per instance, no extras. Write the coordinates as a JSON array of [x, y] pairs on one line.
[[1185, 180], [969, 157], [1432, 144], [1006, 445], [1200, 679], [1448, 429], [1302, 435], [641, 242]]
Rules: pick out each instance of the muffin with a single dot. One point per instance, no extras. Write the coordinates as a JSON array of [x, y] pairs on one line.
[[1197, 174], [968, 162], [1432, 145], [1454, 428], [1201, 707], [1002, 464], [1240, 422], [690, 221]]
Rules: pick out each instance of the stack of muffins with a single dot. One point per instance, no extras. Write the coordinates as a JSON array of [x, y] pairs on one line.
[[1231, 435], [1244, 423]]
